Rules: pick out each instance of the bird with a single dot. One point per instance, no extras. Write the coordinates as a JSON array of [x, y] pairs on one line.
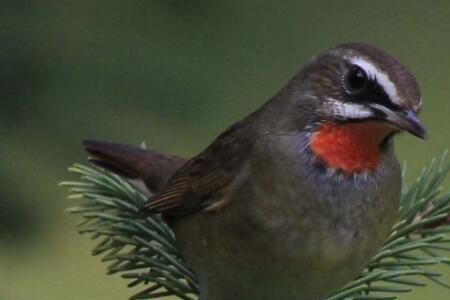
[[292, 201]]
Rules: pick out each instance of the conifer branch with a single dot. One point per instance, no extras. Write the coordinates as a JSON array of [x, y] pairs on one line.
[[142, 248]]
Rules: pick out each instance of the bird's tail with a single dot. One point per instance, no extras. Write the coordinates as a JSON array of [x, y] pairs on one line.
[[152, 167]]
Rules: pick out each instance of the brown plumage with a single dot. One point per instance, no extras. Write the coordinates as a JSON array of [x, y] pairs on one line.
[[200, 182], [180, 186], [150, 166], [261, 214]]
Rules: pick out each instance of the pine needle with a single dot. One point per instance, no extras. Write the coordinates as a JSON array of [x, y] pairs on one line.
[[142, 248]]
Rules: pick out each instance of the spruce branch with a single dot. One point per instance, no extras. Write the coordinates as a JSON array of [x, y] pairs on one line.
[[142, 248]]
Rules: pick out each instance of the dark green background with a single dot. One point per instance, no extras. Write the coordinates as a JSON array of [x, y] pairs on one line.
[[173, 74]]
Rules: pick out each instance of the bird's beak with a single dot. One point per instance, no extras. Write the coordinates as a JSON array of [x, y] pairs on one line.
[[404, 120]]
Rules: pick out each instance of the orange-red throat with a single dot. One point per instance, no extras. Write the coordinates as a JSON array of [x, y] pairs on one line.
[[352, 147]]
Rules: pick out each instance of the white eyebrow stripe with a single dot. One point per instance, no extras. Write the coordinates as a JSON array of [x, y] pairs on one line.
[[382, 78]]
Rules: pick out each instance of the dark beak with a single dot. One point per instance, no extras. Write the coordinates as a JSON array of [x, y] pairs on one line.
[[404, 120]]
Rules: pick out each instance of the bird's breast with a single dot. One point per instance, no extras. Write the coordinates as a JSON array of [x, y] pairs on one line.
[[291, 229], [310, 222], [350, 148]]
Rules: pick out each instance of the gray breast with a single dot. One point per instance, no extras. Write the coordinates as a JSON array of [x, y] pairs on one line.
[[292, 229]]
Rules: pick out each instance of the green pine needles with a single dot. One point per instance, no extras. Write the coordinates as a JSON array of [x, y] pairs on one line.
[[142, 248]]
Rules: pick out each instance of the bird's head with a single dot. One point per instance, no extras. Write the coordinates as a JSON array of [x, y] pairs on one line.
[[355, 83], [357, 98]]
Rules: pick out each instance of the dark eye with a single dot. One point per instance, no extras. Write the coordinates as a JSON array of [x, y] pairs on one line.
[[356, 80]]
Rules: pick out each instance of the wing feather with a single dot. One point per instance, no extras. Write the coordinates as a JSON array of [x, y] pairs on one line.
[[201, 182]]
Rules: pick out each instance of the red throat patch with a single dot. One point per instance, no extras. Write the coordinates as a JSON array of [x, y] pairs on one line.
[[351, 148]]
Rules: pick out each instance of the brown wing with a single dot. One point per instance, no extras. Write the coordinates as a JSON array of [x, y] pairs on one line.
[[200, 183]]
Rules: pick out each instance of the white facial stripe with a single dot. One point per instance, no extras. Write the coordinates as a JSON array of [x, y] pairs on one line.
[[348, 110], [374, 73]]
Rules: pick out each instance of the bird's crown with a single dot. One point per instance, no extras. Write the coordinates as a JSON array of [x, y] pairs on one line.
[[358, 97]]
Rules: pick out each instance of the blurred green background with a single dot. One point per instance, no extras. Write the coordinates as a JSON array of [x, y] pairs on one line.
[[173, 74]]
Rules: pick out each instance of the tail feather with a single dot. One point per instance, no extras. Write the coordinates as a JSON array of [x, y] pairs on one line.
[[118, 158], [152, 167]]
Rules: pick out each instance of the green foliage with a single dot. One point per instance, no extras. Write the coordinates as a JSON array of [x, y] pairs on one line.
[[142, 248]]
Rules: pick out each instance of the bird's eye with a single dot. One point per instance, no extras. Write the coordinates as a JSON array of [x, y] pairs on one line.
[[356, 80]]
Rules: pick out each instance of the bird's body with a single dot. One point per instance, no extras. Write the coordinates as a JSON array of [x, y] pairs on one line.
[[301, 242], [292, 201]]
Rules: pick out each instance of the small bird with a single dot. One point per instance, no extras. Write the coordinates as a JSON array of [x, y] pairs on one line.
[[292, 201]]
